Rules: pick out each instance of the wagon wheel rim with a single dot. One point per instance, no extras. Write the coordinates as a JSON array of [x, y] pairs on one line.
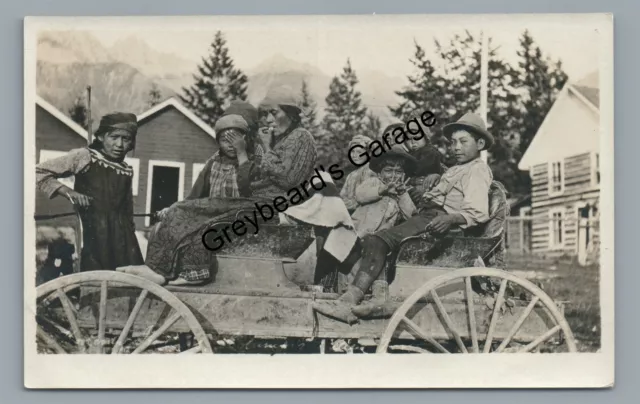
[[539, 300], [58, 289]]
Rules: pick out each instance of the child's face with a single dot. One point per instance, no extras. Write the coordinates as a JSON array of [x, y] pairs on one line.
[[358, 155], [465, 147], [413, 144], [225, 144], [117, 143], [392, 171]]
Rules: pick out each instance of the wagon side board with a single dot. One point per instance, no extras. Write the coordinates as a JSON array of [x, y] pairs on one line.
[[290, 314]]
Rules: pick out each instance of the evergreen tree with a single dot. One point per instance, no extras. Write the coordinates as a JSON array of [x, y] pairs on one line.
[[541, 79], [217, 83], [308, 106], [345, 117], [78, 112], [373, 126], [154, 96]]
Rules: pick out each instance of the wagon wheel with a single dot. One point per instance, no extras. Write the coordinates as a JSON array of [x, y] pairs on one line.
[[506, 290], [60, 330]]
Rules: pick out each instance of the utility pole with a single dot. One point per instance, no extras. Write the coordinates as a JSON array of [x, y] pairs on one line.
[[89, 121], [484, 82]]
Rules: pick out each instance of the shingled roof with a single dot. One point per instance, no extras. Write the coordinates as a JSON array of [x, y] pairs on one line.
[[590, 89]]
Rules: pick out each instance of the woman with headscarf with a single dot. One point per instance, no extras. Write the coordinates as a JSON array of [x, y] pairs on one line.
[[102, 191], [290, 152]]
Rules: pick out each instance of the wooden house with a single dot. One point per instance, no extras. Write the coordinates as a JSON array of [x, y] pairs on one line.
[[172, 146], [563, 162], [56, 134]]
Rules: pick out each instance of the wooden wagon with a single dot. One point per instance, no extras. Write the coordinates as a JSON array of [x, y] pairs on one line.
[[443, 299]]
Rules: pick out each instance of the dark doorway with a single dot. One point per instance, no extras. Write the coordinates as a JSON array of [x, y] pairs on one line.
[[164, 188]]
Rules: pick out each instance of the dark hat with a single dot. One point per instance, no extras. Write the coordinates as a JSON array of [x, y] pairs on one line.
[[471, 123], [245, 110], [118, 120], [397, 152]]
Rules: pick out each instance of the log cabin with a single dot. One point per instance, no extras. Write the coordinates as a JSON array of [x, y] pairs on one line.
[[563, 162]]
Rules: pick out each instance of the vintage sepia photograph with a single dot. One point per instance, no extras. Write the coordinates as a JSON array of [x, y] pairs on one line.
[[302, 188]]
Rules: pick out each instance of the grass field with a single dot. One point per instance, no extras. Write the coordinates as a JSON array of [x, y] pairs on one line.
[[579, 289]]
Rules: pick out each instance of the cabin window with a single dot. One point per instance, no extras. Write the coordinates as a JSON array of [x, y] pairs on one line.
[[595, 158], [556, 178], [556, 228]]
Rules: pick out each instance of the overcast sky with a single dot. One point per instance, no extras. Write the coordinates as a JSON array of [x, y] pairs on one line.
[[377, 42]]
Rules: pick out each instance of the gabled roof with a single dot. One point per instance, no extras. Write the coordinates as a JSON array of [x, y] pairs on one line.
[[544, 146], [173, 102], [61, 117]]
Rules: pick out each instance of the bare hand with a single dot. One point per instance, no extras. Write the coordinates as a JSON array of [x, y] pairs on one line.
[[431, 181], [402, 187], [388, 190], [440, 224], [266, 134], [78, 199], [416, 195], [237, 141]]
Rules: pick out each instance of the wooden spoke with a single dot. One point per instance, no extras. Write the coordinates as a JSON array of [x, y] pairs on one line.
[[494, 317], [409, 348], [49, 340], [541, 339], [102, 316], [447, 321], [472, 315], [132, 318], [168, 323], [125, 283], [518, 324], [195, 349], [422, 334], [68, 311], [513, 325]]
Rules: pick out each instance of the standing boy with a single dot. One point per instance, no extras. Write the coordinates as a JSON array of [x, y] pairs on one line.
[[460, 200]]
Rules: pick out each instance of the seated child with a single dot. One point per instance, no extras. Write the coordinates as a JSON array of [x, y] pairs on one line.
[[460, 200], [222, 188], [382, 200], [430, 166], [357, 177]]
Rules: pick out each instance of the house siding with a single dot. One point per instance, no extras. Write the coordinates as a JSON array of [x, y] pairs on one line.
[[169, 135], [52, 134], [578, 190]]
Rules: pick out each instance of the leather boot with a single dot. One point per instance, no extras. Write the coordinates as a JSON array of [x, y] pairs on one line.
[[340, 309], [379, 305]]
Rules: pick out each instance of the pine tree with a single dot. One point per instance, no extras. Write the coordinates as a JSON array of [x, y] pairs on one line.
[[345, 116], [154, 96], [78, 112], [373, 126], [308, 106], [217, 83], [541, 79]]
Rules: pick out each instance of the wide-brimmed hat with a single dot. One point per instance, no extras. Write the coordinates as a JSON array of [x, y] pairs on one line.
[[118, 120], [472, 123], [396, 152], [282, 95]]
